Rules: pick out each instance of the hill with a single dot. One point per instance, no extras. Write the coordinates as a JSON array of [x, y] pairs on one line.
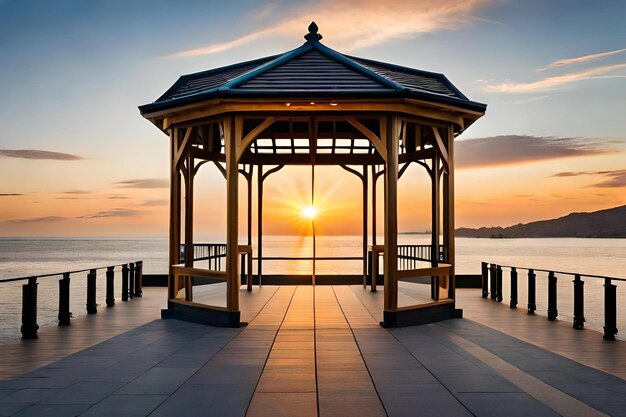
[[609, 223]]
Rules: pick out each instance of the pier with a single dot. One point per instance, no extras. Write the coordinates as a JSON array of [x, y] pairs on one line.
[[314, 351]]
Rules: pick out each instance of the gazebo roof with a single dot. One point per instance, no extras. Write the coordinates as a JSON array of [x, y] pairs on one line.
[[312, 71]]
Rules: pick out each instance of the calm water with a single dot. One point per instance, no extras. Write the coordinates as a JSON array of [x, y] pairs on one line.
[[23, 257]]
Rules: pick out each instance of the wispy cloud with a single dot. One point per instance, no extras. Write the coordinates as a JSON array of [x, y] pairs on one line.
[[144, 183], [117, 197], [10, 195], [118, 212], [77, 192], [550, 83], [354, 24], [580, 59], [155, 203], [46, 219], [520, 149], [609, 179], [38, 154]]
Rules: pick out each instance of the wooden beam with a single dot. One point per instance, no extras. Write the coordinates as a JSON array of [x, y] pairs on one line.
[[305, 159], [182, 146], [442, 147], [376, 141], [391, 215], [232, 215], [211, 108], [253, 134], [417, 155]]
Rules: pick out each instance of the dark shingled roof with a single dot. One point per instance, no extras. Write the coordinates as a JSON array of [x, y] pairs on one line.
[[309, 72]]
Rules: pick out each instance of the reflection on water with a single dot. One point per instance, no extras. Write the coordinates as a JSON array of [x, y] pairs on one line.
[[23, 257]]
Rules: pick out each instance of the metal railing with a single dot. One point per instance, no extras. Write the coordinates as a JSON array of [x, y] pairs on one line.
[[492, 276], [211, 252], [131, 276]]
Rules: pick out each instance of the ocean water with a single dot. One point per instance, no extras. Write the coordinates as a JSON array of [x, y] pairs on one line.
[[30, 256]]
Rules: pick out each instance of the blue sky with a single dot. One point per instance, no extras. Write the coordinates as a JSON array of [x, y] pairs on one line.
[[73, 72]]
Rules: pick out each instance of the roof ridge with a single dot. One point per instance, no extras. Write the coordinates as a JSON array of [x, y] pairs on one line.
[[280, 59], [344, 59]]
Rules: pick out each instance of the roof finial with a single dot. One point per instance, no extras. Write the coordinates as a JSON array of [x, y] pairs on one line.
[[313, 36]]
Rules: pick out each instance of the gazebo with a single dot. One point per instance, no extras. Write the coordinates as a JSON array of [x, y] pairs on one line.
[[312, 106]]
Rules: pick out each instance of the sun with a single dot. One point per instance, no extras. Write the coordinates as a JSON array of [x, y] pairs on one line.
[[309, 212]]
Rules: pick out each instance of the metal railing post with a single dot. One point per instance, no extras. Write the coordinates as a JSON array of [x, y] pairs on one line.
[[369, 269], [493, 286], [513, 303], [485, 278], [532, 291], [138, 278], [110, 277], [92, 307], [552, 300], [64, 300], [125, 282], [610, 310], [499, 283], [29, 309], [131, 280], [579, 302]]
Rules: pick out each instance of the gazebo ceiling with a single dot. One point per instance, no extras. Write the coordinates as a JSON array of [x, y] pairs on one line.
[[312, 72]]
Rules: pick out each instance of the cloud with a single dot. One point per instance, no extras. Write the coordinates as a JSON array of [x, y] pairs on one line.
[[520, 149], [155, 203], [47, 219], [144, 183], [39, 154], [579, 60], [9, 195], [77, 192], [551, 83], [118, 212], [117, 197], [355, 24], [609, 179]]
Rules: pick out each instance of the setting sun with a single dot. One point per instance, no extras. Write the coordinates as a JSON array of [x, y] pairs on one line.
[[309, 212]]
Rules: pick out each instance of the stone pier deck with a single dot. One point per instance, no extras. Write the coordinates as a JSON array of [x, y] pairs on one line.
[[314, 352]]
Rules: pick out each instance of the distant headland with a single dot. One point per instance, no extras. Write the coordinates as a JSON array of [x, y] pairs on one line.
[[609, 223]]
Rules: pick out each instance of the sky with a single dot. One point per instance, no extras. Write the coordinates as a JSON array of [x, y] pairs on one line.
[[77, 159]]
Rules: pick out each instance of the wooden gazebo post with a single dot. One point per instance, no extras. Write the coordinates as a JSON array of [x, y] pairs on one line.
[[391, 216], [231, 142]]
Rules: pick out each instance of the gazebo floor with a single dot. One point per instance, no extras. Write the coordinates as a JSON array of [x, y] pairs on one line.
[[320, 351]]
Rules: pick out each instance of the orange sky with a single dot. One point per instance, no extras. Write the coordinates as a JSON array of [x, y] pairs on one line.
[[76, 158]]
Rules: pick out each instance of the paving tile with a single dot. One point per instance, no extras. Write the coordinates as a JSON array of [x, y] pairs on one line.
[[83, 393], [157, 381], [409, 400], [350, 404], [505, 404], [283, 405], [219, 400], [125, 406], [219, 373], [56, 410], [28, 395]]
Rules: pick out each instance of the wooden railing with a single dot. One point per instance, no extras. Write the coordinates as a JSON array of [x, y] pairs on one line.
[[411, 256], [492, 276], [211, 252], [411, 259], [131, 275]]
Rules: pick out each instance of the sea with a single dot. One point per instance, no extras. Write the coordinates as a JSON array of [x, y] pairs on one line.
[[21, 257]]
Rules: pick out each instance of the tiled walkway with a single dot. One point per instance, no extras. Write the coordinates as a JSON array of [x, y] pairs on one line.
[[316, 352]]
